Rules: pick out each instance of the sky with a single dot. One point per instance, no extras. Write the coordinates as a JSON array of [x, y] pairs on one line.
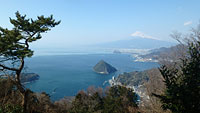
[[85, 22]]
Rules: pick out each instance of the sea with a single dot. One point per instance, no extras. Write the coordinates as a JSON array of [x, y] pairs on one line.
[[66, 75]]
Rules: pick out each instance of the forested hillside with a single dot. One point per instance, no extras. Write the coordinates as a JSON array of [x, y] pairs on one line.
[[174, 87]]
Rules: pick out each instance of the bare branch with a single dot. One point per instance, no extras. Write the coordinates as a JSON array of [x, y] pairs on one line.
[[8, 68], [5, 59]]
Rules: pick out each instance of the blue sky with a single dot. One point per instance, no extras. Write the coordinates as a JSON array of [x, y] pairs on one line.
[[94, 21]]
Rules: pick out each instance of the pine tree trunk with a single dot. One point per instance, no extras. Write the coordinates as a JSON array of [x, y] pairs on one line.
[[20, 87], [23, 93]]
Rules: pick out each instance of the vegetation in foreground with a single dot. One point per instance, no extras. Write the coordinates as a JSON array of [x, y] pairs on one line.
[[116, 99], [15, 47], [181, 79]]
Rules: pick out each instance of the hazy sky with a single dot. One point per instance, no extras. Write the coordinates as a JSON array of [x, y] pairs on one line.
[[94, 21]]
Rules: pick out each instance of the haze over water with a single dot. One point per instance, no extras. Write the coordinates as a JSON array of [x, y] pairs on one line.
[[65, 75]]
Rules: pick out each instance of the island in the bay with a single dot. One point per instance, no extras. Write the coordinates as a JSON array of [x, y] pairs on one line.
[[29, 77], [103, 67]]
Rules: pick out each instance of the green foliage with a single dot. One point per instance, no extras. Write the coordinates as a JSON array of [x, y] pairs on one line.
[[14, 46], [11, 109], [133, 78], [103, 67], [86, 103], [183, 86], [14, 43], [118, 99]]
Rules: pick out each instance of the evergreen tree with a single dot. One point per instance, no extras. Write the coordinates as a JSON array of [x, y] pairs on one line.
[[120, 99], [14, 45], [182, 93]]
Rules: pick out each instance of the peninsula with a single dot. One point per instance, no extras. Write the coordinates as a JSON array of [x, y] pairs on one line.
[[25, 77]]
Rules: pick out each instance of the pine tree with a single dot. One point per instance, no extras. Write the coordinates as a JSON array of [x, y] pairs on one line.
[[14, 45], [182, 94]]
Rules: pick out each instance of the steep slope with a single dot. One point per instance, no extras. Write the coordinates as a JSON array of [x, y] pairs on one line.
[[104, 68]]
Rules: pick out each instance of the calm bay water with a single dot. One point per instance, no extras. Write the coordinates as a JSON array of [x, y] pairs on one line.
[[65, 75]]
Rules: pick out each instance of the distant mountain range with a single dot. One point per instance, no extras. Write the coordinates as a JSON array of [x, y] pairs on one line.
[[136, 43], [170, 53]]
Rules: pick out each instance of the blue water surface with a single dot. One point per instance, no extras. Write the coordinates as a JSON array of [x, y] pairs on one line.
[[65, 75]]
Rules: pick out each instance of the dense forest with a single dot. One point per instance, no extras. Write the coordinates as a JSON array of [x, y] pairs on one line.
[[172, 88]]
